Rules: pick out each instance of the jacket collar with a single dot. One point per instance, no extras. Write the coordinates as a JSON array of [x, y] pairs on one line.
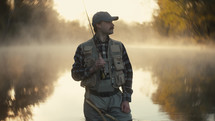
[[98, 41]]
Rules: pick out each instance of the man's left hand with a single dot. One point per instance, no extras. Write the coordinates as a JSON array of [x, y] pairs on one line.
[[125, 107]]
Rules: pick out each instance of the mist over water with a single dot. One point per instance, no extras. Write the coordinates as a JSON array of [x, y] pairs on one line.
[[37, 49], [31, 73], [184, 78]]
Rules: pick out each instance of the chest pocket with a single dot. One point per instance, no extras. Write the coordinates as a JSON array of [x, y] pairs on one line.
[[89, 61], [117, 57], [118, 63], [88, 50], [119, 66]]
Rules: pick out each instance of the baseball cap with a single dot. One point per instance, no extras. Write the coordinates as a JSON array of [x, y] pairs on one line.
[[103, 16]]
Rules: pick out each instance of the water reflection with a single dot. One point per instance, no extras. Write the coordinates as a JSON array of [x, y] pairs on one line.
[[65, 104], [27, 78], [69, 96], [186, 85], [171, 84]]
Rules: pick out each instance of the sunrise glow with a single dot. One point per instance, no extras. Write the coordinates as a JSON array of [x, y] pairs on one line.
[[128, 10]]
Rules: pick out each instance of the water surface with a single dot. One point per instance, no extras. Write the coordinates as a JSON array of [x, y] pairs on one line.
[[170, 84]]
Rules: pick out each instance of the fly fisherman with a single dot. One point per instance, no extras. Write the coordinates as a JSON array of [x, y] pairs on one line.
[[102, 65]]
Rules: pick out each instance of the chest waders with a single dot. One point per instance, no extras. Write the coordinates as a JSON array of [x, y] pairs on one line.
[[101, 113]]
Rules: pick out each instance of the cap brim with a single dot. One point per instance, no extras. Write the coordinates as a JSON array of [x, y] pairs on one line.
[[114, 18]]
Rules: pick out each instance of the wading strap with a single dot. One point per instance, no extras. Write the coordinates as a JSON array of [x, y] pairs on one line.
[[100, 113]]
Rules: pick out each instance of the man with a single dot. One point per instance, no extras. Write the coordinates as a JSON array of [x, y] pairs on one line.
[[102, 65]]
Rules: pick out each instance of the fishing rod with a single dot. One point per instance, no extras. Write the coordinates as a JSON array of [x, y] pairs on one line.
[[88, 18]]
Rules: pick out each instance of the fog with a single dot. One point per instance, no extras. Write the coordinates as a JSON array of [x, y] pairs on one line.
[[37, 23], [29, 74], [36, 47], [182, 72], [185, 79]]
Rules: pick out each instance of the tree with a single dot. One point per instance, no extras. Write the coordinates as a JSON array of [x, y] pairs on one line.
[[4, 17], [192, 18]]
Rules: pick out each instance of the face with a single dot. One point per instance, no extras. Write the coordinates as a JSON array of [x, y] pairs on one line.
[[106, 27]]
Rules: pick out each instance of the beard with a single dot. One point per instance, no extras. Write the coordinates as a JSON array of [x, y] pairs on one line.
[[111, 30]]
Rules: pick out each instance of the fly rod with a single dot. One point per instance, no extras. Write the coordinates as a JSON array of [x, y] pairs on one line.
[[88, 18]]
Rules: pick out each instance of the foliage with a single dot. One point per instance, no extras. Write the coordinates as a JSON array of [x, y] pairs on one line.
[[193, 18], [27, 21]]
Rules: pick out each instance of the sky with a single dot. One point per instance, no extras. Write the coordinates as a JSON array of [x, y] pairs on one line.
[[127, 10]]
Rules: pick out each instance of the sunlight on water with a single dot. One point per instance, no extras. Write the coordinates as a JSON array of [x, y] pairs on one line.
[[65, 104], [143, 108], [67, 101], [36, 84], [11, 93]]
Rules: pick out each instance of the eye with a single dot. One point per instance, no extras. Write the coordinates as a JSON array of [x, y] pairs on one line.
[[109, 22]]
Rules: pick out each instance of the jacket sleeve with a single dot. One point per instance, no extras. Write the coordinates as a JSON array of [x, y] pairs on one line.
[[79, 71], [127, 87]]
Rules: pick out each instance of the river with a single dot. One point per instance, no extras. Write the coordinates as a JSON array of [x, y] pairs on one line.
[[170, 83]]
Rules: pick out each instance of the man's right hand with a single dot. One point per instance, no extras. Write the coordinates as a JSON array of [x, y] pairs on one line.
[[100, 63]]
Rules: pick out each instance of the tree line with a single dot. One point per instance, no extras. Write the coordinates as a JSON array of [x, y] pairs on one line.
[[35, 21]]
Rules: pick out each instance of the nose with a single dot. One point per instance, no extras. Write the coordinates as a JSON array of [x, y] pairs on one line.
[[112, 25]]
